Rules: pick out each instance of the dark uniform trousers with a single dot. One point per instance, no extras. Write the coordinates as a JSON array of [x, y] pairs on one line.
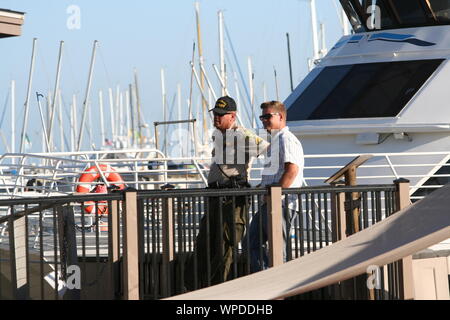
[[216, 245]]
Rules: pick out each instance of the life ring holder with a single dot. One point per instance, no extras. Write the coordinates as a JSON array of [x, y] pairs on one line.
[[93, 174]]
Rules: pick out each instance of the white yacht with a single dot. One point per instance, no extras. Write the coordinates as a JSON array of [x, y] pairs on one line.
[[383, 90]]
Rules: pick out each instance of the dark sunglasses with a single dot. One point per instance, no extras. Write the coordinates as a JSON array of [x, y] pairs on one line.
[[267, 116]]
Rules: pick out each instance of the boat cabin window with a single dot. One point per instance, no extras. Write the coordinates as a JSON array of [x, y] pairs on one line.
[[373, 15], [362, 90]]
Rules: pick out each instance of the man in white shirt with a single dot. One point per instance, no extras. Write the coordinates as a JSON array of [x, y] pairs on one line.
[[284, 167]]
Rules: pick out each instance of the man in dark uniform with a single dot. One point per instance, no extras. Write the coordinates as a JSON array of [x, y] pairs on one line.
[[222, 227]]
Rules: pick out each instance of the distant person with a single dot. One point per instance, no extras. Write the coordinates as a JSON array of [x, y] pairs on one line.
[[224, 222], [284, 167], [33, 183]]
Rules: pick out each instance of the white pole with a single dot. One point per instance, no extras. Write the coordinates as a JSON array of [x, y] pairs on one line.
[[127, 113], [91, 142], [48, 106], [140, 120], [72, 138], [111, 113], [209, 84], [200, 56], [61, 128], [121, 125], [252, 93], [163, 93], [179, 119], [86, 98], [222, 82], [53, 105], [102, 124], [117, 108], [238, 93], [74, 120], [345, 24], [221, 52], [314, 30], [27, 101], [276, 83], [323, 49], [13, 116], [132, 113], [264, 91]]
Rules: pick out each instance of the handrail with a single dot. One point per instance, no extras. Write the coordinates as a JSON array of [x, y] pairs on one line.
[[383, 167]]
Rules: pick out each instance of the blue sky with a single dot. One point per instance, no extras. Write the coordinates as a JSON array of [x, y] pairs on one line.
[[148, 36]]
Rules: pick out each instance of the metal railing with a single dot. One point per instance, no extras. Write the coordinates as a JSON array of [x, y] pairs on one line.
[[141, 248], [52, 249], [53, 174], [146, 169]]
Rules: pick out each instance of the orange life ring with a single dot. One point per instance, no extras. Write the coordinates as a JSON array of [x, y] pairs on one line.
[[85, 184]]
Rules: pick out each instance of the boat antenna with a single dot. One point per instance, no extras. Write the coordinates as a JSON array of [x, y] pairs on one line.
[[290, 63], [276, 83], [30, 81]]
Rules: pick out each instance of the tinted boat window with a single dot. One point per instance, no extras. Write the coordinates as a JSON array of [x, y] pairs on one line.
[[373, 15], [410, 11], [361, 90], [318, 91], [440, 10]]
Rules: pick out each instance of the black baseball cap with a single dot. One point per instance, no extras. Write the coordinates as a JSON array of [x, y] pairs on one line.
[[224, 105]]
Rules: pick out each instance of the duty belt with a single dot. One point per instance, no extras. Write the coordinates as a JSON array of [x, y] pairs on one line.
[[232, 183]]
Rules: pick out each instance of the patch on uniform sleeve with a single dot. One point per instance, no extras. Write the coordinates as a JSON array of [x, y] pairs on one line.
[[250, 134]]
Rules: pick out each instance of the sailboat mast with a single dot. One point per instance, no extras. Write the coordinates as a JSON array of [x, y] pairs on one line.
[[117, 108], [164, 106], [345, 24], [202, 82], [276, 83], [27, 101], [111, 113], [314, 30], [74, 121], [221, 53], [127, 114], [179, 119], [131, 110], [55, 96], [60, 118], [85, 102], [323, 46], [138, 105], [121, 123], [102, 124], [13, 116], [252, 92], [290, 63]]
